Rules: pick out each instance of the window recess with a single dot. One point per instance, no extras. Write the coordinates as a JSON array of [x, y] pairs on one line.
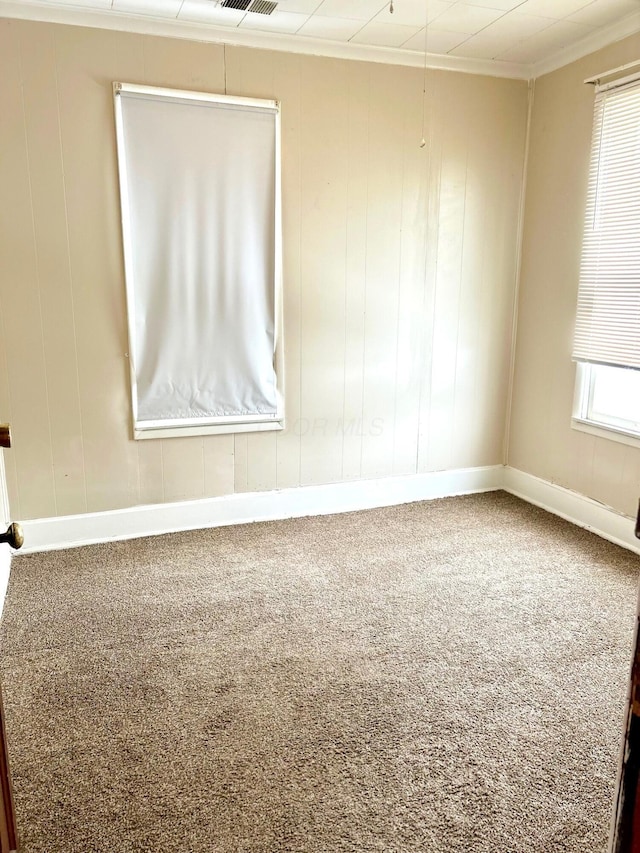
[[201, 221], [608, 402], [607, 331]]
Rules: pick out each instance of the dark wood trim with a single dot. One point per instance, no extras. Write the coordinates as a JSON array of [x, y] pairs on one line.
[[625, 836], [626, 833], [8, 837]]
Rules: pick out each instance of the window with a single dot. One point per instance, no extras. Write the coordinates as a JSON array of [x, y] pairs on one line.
[[200, 197], [609, 397], [607, 335]]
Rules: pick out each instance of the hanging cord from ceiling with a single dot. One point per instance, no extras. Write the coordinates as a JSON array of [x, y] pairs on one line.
[[424, 76]]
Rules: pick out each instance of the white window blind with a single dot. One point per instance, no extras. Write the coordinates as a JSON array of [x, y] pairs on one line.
[[199, 180], [608, 313]]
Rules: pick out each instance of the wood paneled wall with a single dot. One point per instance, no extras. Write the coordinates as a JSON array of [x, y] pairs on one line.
[[542, 441], [399, 271]]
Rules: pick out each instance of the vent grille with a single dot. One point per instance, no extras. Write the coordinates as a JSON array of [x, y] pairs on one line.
[[236, 4], [262, 7]]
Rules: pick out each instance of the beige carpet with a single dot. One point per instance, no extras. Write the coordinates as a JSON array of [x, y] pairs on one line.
[[445, 676]]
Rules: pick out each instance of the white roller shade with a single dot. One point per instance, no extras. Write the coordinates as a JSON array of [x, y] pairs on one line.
[[608, 314], [199, 189]]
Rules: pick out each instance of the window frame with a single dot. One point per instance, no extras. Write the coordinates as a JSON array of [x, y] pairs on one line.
[[209, 425], [580, 419], [586, 368]]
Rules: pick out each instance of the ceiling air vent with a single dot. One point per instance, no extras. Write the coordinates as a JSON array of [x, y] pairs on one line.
[[262, 7], [236, 4]]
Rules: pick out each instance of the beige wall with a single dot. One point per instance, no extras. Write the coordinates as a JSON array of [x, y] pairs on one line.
[[388, 371], [542, 441]]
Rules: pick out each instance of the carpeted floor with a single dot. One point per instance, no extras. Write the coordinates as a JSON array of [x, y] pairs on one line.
[[431, 678]]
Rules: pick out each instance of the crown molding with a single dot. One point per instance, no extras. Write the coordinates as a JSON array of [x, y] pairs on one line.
[[603, 37], [110, 19]]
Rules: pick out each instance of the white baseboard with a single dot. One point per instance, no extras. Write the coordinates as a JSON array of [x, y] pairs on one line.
[[5, 567], [47, 534], [572, 506]]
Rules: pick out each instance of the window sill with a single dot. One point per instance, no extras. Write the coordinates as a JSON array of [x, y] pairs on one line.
[[208, 429], [605, 431]]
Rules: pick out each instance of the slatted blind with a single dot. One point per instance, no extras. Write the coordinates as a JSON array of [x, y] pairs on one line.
[[608, 314]]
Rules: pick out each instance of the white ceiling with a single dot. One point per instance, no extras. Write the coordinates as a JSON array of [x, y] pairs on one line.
[[505, 35]]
